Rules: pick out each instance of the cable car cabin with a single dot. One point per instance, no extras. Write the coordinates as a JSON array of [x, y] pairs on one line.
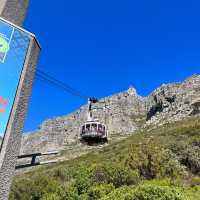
[[93, 131]]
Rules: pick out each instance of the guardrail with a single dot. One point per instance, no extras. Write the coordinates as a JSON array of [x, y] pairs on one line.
[[33, 159]]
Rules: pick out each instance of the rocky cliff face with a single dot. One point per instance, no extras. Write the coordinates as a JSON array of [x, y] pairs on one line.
[[123, 113], [174, 102]]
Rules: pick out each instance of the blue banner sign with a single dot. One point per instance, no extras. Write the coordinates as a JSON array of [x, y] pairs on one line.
[[14, 45]]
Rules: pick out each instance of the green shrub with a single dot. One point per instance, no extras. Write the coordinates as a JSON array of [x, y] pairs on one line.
[[193, 193], [82, 179], [71, 193], [188, 154], [153, 161], [120, 171], [122, 193], [35, 188], [146, 192], [99, 191], [195, 181], [116, 174], [51, 197], [61, 174]]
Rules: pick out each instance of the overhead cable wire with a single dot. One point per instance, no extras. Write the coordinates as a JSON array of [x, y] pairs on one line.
[[55, 82]]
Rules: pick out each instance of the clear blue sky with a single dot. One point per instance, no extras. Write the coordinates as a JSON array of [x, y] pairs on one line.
[[102, 47]]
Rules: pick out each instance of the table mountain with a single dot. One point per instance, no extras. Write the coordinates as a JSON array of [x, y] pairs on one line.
[[123, 113]]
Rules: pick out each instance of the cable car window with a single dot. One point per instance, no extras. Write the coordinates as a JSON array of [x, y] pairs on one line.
[[94, 127], [87, 127], [100, 128], [83, 129]]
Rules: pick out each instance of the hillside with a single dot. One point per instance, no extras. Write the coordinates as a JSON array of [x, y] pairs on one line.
[[123, 113], [160, 163]]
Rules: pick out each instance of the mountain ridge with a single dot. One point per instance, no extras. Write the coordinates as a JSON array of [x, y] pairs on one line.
[[127, 113]]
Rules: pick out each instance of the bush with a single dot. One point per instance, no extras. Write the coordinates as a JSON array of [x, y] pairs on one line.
[[99, 191], [193, 193], [146, 192], [120, 169], [188, 153], [195, 181], [116, 174], [153, 161], [35, 188], [50, 197], [122, 193], [82, 179], [71, 193], [61, 174]]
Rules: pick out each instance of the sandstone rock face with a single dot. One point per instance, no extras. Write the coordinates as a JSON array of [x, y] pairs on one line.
[[123, 113], [174, 102]]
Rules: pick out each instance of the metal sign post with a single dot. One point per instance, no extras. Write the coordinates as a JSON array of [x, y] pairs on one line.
[[19, 51]]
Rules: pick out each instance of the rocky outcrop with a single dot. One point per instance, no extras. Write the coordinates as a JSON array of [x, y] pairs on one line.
[[195, 106], [174, 102], [123, 113]]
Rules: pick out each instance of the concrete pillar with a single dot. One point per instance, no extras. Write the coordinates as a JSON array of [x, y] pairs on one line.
[[14, 10]]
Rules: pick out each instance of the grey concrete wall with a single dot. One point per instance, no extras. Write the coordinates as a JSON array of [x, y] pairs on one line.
[[14, 10], [12, 140]]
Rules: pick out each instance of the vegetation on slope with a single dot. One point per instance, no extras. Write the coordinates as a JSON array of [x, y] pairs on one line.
[[161, 164]]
